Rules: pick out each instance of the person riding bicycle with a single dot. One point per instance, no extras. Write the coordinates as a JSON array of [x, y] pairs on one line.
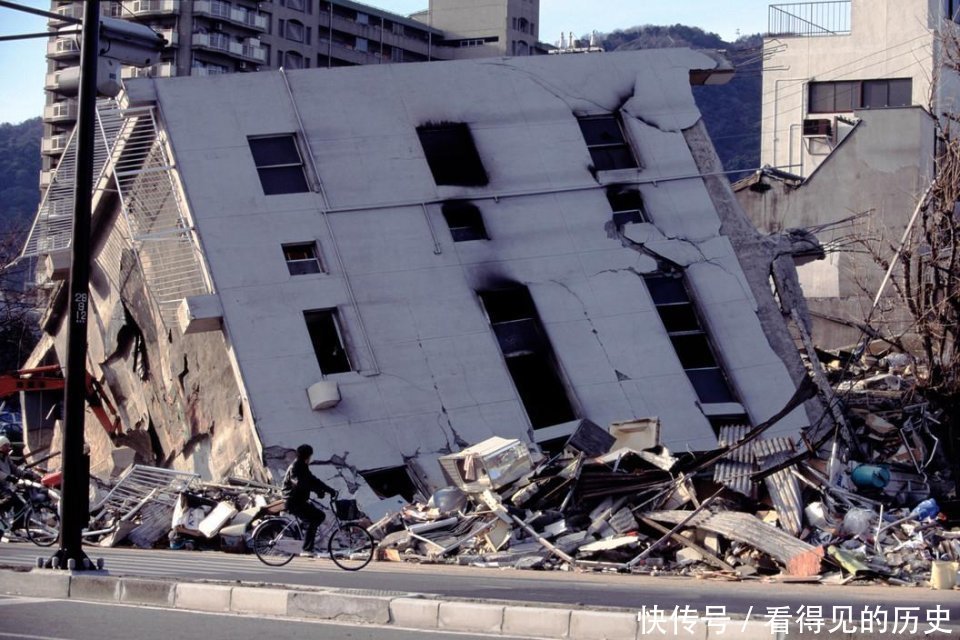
[[298, 483], [10, 473]]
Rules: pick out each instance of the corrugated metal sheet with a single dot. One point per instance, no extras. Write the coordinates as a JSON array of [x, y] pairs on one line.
[[783, 486], [736, 467]]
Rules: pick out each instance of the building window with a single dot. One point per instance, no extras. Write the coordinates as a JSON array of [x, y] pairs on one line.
[[361, 45], [327, 341], [689, 339], [604, 138], [952, 10], [627, 205], [452, 154], [464, 220], [529, 356], [295, 31], [296, 5], [302, 258], [293, 60], [362, 18], [279, 164], [849, 95]]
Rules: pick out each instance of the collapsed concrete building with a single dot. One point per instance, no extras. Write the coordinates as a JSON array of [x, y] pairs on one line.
[[392, 263]]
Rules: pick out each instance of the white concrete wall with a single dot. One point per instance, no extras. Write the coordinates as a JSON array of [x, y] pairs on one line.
[[485, 18], [888, 39], [442, 381], [877, 176]]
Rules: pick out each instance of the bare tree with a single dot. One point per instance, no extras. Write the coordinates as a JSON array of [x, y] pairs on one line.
[[19, 330]]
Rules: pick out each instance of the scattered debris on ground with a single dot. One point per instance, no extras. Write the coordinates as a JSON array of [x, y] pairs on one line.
[[864, 497]]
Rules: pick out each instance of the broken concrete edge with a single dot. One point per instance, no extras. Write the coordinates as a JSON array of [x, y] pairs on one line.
[[358, 606]]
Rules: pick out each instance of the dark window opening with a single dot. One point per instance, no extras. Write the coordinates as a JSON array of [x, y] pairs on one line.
[[529, 356], [607, 145], [689, 339], [464, 220], [952, 10], [302, 258], [391, 481], [327, 341], [452, 155], [849, 95], [627, 205], [279, 164], [156, 448]]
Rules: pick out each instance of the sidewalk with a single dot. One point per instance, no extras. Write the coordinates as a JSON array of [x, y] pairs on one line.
[[406, 610]]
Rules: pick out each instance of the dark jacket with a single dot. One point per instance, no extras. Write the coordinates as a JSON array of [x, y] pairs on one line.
[[298, 482]]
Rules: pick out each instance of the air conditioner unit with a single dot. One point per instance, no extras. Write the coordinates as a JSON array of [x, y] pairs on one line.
[[818, 128]]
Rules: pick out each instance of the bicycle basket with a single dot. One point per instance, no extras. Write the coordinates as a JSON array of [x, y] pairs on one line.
[[346, 509]]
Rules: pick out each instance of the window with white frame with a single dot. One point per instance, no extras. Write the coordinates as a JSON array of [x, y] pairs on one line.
[[302, 258]]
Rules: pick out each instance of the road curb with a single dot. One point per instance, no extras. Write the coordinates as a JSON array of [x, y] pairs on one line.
[[407, 610]]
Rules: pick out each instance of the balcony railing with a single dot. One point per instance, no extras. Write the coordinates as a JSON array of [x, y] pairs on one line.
[[63, 47], [806, 19], [65, 111], [236, 15], [223, 43], [159, 70], [54, 145], [145, 7]]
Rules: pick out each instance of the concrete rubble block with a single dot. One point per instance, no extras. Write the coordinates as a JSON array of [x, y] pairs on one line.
[[202, 597], [340, 607], [536, 621], [415, 613], [39, 583], [154, 592], [469, 616], [271, 602], [94, 587], [199, 314], [602, 625]]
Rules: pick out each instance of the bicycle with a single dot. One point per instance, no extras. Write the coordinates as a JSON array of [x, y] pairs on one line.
[[277, 539], [38, 518]]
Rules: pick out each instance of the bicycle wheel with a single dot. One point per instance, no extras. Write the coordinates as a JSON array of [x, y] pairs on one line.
[[43, 525], [351, 547], [277, 541]]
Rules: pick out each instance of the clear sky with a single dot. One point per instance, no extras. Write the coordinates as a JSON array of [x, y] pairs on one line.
[[22, 64]]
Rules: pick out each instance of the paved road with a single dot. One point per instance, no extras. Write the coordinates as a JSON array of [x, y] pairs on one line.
[[37, 619], [595, 589]]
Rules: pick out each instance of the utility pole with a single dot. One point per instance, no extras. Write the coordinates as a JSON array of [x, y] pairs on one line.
[[74, 502]]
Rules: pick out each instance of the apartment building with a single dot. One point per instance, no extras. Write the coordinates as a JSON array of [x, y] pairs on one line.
[[391, 263], [850, 88], [210, 37]]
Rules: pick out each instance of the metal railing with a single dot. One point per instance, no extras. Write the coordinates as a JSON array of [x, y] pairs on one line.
[[807, 19]]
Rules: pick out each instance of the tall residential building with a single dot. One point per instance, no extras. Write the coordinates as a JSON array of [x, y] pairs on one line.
[[208, 37], [850, 89]]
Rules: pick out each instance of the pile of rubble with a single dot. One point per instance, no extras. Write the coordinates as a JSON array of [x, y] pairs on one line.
[[755, 506], [856, 498], [150, 506]]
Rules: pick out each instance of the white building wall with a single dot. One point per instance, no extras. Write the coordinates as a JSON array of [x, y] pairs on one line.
[[435, 379], [887, 39]]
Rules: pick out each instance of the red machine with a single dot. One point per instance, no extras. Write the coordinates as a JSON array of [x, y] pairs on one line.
[[50, 378]]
